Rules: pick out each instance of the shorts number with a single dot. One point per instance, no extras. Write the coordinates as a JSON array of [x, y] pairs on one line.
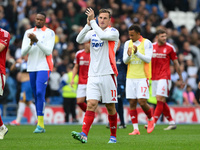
[[113, 93], [143, 89]]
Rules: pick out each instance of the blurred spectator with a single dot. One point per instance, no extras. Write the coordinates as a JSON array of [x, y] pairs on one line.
[[69, 94], [11, 15], [54, 85], [61, 45], [4, 24], [192, 74], [189, 97], [196, 28], [62, 67], [166, 21], [178, 93], [20, 10], [56, 58]]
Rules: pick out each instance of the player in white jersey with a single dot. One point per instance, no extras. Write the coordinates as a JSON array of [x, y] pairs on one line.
[[102, 71], [38, 43]]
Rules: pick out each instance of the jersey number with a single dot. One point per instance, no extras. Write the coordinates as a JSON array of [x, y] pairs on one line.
[[143, 89], [113, 93]]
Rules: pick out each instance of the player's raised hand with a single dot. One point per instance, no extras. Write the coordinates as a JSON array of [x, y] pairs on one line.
[[135, 49], [90, 13], [130, 51], [33, 37]]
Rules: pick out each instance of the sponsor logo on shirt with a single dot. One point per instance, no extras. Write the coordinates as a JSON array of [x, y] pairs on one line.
[[94, 35], [157, 55]]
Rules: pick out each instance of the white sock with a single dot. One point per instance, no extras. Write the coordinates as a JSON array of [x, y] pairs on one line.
[[20, 111], [135, 126], [33, 111], [172, 122]]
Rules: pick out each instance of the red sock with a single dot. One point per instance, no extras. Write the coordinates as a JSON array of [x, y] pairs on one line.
[[148, 113], [87, 121], [166, 112], [113, 124], [158, 110], [83, 106], [1, 122], [133, 114]]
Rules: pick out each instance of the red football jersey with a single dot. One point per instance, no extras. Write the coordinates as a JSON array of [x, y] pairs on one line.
[[4, 39], [161, 61], [82, 59]]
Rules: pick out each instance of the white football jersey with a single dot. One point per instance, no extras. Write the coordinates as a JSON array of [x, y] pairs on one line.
[[103, 45], [40, 53]]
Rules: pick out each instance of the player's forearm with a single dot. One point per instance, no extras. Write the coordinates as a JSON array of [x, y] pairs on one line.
[[74, 72], [114, 36], [177, 68], [81, 36], [25, 50], [126, 59], [47, 49], [146, 58]]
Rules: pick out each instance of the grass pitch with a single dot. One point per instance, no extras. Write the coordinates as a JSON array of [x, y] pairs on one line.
[[58, 137]]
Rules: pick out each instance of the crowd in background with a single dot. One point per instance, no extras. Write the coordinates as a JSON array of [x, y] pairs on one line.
[[67, 18]]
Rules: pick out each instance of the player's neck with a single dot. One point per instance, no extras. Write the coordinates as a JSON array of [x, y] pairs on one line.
[[161, 44]]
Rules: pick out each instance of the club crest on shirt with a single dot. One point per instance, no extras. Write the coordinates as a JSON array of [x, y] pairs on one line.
[[164, 50]]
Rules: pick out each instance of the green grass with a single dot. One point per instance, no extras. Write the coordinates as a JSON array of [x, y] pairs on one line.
[[185, 137]]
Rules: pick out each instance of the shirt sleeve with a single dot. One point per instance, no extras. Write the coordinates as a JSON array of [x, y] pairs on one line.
[[148, 52], [47, 48], [25, 44], [5, 39], [173, 55], [84, 36], [111, 35], [126, 58]]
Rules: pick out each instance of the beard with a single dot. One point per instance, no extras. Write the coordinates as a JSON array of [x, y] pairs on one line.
[[39, 26]]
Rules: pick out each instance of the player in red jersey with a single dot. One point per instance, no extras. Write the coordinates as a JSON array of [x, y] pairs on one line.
[[4, 44], [81, 61], [163, 52]]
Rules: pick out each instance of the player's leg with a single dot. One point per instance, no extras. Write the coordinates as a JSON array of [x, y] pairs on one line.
[[3, 129], [162, 90], [29, 99], [81, 97], [112, 118], [66, 107], [167, 114], [73, 109], [33, 110], [93, 95], [108, 88], [41, 84], [133, 116], [147, 110], [131, 97], [87, 121]]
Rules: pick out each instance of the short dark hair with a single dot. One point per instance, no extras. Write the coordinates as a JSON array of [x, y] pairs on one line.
[[160, 31], [42, 13], [135, 27], [105, 11]]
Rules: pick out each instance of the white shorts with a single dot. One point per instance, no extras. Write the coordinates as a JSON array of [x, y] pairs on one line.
[[81, 91], [137, 88], [102, 88], [2, 83], [161, 87]]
